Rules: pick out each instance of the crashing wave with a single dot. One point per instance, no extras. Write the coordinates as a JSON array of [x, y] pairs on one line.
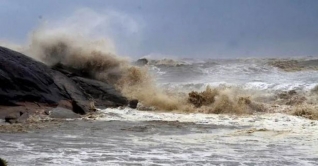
[[238, 86]]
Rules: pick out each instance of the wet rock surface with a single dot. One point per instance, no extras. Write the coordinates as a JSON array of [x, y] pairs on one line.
[[13, 117], [103, 94], [24, 81], [63, 113], [133, 103]]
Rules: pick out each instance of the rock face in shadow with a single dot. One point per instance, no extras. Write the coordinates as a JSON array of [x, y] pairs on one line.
[[133, 103], [71, 91], [104, 95], [24, 80]]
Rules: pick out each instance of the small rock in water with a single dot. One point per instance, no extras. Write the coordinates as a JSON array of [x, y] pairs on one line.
[[141, 62], [63, 113], [133, 103], [23, 118], [13, 117]]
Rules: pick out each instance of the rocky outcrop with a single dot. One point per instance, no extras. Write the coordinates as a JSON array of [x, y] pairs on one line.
[[24, 80], [103, 94], [72, 92]]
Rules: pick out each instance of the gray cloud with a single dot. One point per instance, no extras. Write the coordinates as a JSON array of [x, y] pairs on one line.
[[184, 28]]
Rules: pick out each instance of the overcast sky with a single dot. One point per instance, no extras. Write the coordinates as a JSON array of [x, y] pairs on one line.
[[180, 28]]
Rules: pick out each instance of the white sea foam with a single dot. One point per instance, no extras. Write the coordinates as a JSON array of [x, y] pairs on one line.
[[248, 74], [264, 139], [276, 121], [258, 133]]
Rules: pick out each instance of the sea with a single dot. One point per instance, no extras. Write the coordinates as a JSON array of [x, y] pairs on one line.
[[126, 136]]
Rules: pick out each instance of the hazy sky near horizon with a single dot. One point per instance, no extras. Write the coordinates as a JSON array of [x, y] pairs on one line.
[[178, 28]]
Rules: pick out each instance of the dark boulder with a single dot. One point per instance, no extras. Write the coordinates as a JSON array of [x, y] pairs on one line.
[[133, 103], [72, 92], [103, 94], [70, 72], [24, 80], [141, 62]]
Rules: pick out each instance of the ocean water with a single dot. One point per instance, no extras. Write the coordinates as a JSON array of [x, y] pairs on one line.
[[124, 136], [243, 73], [131, 137]]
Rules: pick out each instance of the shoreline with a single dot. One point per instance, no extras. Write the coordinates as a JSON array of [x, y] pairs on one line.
[[122, 137], [36, 121]]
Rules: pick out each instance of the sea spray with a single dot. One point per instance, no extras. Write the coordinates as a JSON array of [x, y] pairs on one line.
[[99, 61], [93, 57], [223, 100]]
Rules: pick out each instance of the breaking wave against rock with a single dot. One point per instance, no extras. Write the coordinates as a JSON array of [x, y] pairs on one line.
[[97, 59], [222, 101], [94, 58]]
